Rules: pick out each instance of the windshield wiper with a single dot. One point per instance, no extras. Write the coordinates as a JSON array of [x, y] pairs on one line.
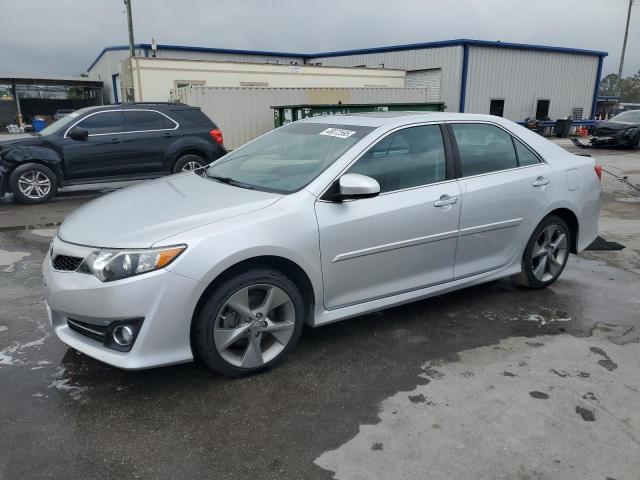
[[228, 180]]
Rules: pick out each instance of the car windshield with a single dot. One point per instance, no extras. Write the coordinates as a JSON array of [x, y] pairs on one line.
[[64, 121], [287, 158], [632, 116]]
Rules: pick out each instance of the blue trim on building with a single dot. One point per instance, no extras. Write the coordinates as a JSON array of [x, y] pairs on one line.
[[594, 102], [608, 98], [392, 48], [114, 84], [462, 42], [463, 78]]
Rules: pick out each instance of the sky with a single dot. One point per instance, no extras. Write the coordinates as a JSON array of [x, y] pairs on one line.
[[63, 37]]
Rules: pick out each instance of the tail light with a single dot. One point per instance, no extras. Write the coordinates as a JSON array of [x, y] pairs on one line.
[[216, 134], [598, 169]]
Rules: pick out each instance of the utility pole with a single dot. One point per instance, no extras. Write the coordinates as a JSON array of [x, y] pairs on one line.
[[132, 52], [624, 42]]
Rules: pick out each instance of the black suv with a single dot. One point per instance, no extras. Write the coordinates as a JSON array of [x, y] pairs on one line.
[[107, 144]]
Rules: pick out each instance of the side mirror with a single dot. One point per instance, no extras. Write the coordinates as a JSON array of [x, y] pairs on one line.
[[78, 133], [354, 186]]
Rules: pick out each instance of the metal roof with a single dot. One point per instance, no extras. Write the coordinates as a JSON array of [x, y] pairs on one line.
[[392, 48], [48, 80]]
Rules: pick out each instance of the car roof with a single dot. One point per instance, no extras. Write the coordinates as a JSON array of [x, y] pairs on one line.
[[378, 119]]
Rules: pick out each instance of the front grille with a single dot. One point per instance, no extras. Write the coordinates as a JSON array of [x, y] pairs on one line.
[[67, 263], [96, 332]]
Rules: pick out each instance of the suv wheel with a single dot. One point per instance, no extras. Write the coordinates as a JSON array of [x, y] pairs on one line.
[[188, 163], [249, 322], [546, 253], [33, 183]]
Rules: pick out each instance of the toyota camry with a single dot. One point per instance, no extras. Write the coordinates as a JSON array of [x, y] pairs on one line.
[[317, 221]]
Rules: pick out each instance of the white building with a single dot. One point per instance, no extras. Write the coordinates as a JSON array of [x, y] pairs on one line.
[[512, 80]]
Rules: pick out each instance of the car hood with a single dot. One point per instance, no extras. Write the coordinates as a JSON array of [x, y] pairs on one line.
[[31, 141], [615, 126], [146, 213]]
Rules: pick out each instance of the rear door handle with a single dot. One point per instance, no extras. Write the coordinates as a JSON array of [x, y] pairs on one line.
[[540, 181], [445, 200], [115, 140]]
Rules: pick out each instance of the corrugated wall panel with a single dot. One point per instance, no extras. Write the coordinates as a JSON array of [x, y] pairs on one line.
[[244, 113], [449, 59], [522, 77]]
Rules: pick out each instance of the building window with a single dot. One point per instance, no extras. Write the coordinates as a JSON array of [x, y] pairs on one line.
[[542, 109], [496, 107]]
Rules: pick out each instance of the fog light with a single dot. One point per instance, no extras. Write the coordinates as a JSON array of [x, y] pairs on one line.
[[123, 335]]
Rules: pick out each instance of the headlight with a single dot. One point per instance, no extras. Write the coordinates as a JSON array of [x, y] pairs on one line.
[[109, 265]]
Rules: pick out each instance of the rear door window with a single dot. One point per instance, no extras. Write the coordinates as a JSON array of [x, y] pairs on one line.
[[103, 123], [483, 148], [143, 120]]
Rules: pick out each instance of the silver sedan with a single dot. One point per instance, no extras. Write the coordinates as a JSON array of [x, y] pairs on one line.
[[317, 221]]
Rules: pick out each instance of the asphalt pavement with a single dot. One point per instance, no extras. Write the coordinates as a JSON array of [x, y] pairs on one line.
[[489, 382]]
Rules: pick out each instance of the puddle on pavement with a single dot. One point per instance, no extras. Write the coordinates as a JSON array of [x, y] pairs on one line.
[[8, 260]]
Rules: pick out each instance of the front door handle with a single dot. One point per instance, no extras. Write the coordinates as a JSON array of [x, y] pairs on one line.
[[115, 140], [445, 200], [540, 181]]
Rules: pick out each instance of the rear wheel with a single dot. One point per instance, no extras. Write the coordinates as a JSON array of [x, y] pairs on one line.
[[33, 183], [250, 322], [546, 253], [189, 163]]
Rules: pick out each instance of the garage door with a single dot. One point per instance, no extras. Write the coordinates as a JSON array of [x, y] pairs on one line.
[[430, 78]]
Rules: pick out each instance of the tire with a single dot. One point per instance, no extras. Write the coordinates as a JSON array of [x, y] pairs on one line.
[[546, 253], [236, 341], [188, 163], [33, 183]]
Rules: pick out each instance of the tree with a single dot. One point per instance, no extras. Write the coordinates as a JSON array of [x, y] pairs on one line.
[[609, 85], [628, 88]]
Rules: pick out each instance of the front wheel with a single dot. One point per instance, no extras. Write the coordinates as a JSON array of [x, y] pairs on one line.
[[33, 183], [546, 253], [249, 322]]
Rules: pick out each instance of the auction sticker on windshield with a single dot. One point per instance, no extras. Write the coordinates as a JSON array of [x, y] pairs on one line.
[[337, 132]]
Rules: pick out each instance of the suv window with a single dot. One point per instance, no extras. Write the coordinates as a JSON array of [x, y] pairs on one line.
[[407, 158], [103, 122], [141, 120], [483, 148]]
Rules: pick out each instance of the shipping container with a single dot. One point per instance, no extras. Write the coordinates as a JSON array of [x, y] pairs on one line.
[[244, 113], [154, 78]]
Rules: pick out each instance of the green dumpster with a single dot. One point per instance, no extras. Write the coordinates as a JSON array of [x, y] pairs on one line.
[[290, 113]]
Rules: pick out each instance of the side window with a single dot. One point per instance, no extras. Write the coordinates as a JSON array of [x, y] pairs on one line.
[[141, 120], [407, 158], [525, 156], [483, 148], [104, 122]]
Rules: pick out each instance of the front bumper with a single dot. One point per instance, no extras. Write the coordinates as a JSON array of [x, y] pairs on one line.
[[165, 300]]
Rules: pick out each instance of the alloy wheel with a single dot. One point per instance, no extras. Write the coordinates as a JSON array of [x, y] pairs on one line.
[[254, 325], [190, 166], [549, 253], [34, 184]]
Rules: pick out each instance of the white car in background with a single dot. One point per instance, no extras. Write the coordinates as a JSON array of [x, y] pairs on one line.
[[317, 221]]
